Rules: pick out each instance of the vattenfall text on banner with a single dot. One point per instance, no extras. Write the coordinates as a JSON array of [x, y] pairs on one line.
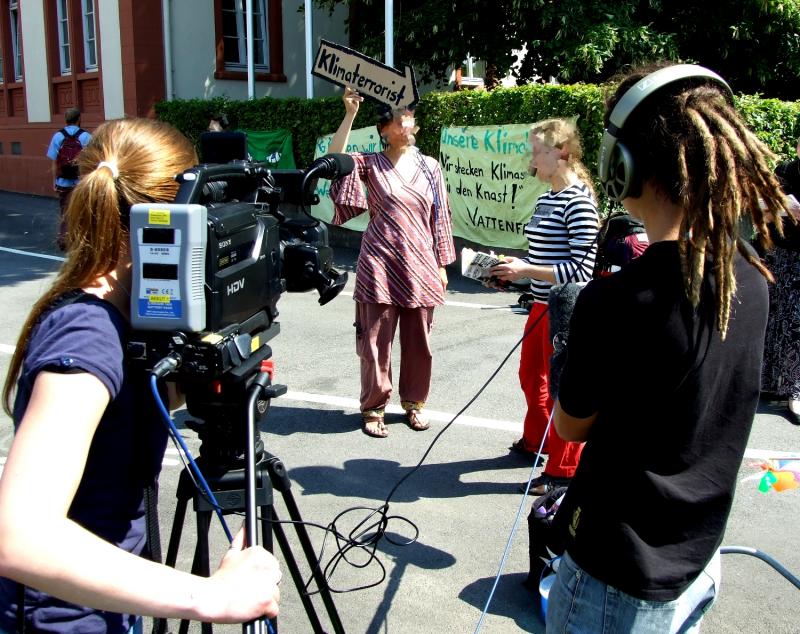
[[491, 193]]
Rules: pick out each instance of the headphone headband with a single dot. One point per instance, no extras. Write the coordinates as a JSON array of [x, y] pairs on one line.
[[615, 163]]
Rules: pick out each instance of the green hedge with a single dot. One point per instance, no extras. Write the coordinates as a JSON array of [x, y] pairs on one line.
[[776, 122]]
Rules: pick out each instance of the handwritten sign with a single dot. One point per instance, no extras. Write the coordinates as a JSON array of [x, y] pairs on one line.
[[345, 67], [360, 140], [491, 193]]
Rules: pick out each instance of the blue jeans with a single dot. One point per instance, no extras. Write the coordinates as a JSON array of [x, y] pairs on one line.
[[580, 604]]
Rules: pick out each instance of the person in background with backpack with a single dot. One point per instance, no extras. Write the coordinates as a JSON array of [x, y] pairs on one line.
[[65, 146], [71, 536]]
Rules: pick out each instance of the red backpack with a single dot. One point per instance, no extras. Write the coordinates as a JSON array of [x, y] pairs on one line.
[[67, 158]]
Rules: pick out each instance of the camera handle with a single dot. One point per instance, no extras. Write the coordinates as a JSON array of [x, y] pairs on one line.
[[250, 490]]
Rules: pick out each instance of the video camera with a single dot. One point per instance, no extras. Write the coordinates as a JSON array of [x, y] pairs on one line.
[[210, 266]]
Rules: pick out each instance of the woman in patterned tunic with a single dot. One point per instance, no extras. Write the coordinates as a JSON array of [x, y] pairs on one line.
[[400, 276]]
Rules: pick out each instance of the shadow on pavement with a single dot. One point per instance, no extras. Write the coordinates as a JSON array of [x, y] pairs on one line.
[[438, 480], [414, 555], [442, 480], [510, 600]]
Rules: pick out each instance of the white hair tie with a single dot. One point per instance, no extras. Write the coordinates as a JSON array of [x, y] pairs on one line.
[[112, 166]]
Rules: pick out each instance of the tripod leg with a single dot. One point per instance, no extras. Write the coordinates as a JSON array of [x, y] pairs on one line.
[[281, 482], [182, 495], [266, 537], [200, 564], [177, 529], [294, 569]]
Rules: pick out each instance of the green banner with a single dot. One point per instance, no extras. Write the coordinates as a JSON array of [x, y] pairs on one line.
[[271, 146], [491, 193], [361, 140]]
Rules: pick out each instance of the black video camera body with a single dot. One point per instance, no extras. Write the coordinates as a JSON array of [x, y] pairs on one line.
[[209, 267]]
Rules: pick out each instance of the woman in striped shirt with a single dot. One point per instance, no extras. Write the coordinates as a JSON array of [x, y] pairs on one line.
[[562, 243], [400, 276]]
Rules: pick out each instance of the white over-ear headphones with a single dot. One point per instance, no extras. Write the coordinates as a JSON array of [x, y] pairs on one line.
[[615, 164]]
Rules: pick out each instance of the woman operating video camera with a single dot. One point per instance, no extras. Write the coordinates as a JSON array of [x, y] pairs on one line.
[[72, 522]]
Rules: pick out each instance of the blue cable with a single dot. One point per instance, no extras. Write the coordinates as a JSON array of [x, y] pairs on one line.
[[195, 469], [173, 430]]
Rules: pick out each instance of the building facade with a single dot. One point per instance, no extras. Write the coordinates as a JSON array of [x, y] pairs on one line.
[[117, 58]]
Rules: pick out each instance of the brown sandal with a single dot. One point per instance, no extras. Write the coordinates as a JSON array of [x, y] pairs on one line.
[[373, 424], [415, 420]]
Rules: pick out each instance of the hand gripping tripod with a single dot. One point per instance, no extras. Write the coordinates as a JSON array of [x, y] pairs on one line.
[[242, 477]]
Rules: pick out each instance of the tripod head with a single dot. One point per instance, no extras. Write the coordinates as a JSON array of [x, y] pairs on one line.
[[220, 408]]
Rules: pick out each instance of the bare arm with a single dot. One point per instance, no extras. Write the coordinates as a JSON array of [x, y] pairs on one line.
[[54, 171], [41, 547], [352, 101], [571, 428]]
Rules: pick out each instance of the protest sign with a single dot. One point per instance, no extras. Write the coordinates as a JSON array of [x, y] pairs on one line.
[[360, 140], [491, 193], [345, 67]]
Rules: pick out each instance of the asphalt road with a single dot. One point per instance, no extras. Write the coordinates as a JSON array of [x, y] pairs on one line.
[[463, 499]]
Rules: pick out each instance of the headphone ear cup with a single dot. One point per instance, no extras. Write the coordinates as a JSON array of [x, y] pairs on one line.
[[621, 181]]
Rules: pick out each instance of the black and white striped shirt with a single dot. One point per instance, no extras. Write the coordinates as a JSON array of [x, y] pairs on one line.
[[562, 233]]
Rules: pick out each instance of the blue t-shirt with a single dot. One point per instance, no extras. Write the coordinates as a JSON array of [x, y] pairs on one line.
[[125, 456], [55, 146]]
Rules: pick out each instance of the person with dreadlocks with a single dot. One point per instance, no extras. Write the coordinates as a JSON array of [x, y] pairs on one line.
[[667, 432]]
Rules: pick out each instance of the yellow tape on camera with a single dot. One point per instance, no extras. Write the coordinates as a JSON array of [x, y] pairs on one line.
[[158, 216]]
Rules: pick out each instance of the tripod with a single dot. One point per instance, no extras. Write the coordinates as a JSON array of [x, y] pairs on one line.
[[243, 479]]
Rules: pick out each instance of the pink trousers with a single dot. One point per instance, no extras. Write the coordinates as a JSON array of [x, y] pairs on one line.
[[375, 329], [534, 376]]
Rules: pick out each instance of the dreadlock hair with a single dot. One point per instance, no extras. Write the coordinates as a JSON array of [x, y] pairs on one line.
[[140, 160], [689, 142], [563, 134]]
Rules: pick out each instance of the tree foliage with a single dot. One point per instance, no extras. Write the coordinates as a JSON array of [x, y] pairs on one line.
[[754, 44]]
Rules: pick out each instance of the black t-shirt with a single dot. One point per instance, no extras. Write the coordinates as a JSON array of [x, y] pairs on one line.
[[647, 507]]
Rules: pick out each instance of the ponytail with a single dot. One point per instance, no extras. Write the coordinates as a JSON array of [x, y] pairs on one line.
[[128, 161]]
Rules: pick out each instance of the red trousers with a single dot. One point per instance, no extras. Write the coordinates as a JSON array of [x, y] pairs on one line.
[[534, 376], [375, 328]]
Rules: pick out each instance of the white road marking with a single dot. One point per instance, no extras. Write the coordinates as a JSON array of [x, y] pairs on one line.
[[433, 415], [767, 454], [347, 293], [44, 256], [458, 304]]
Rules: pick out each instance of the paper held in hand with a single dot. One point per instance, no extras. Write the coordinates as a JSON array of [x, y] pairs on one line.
[[476, 264]]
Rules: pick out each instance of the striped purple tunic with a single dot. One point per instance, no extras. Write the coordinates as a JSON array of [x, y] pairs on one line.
[[407, 239]]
